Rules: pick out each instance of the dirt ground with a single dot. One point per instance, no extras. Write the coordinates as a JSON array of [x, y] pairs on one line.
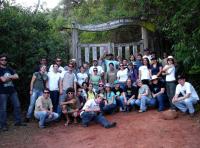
[[134, 130]]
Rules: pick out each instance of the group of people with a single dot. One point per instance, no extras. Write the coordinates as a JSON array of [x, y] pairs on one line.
[[88, 92]]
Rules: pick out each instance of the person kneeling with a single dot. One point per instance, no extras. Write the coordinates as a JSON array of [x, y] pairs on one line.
[[185, 96], [70, 106], [44, 109], [91, 112]]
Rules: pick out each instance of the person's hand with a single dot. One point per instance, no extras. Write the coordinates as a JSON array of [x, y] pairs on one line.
[[31, 92], [3, 79], [154, 95]]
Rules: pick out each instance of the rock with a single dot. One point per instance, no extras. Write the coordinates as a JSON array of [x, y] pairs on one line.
[[169, 115]]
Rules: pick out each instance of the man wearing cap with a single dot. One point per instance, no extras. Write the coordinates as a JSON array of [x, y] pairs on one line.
[[158, 92], [185, 96], [118, 91], [91, 112]]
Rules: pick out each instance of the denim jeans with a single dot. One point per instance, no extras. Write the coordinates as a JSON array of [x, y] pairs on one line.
[[132, 101], [144, 102], [170, 89], [119, 102], [44, 117], [54, 95], [87, 117], [186, 104], [35, 94], [3, 108], [109, 108], [161, 101], [61, 99]]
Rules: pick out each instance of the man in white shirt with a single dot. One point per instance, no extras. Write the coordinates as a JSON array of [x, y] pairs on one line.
[[185, 96], [60, 68], [99, 68], [91, 112], [54, 78]]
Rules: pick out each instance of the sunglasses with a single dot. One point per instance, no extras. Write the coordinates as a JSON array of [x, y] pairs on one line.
[[3, 60], [46, 92], [70, 93], [95, 70], [58, 60]]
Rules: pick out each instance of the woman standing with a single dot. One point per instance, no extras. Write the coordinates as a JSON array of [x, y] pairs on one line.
[[169, 72], [145, 71]]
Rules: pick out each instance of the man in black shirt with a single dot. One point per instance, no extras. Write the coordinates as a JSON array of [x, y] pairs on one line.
[[158, 92], [130, 94], [7, 90], [118, 95]]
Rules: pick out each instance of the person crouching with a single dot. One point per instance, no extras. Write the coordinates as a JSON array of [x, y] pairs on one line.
[[44, 109]]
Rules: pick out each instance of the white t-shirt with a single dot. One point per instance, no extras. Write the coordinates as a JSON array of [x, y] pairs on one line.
[[99, 68], [187, 88], [60, 68], [90, 104], [122, 75], [81, 77], [53, 80], [170, 73], [145, 73]]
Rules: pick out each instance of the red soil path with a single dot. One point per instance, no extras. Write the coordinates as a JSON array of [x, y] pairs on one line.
[[134, 130]]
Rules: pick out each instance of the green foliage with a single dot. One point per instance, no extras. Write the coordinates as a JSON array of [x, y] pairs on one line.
[[26, 37]]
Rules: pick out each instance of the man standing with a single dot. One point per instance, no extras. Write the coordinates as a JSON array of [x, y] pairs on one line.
[[44, 109], [91, 112], [7, 90], [185, 96], [53, 85]]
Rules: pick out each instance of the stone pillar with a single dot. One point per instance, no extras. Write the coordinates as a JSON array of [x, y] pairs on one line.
[[144, 37]]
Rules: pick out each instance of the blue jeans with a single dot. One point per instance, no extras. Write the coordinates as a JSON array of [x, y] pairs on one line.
[[61, 99], [87, 117], [119, 102], [3, 107], [35, 94], [186, 104], [144, 102], [170, 89], [109, 108], [161, 101], [54, 95], [44, 117], [131, 102]]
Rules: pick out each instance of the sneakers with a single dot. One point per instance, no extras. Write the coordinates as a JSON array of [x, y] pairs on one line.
[[26, 120], [84, 125], [4, 129], [111, 125], [20, 124], [141, 111]]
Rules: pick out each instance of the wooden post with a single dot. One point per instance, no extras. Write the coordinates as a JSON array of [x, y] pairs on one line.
[[134, 49], [79, 62], [74, 49], [127, 52], [94, 53], [101, 51], [119, 51], [144, 37], [87, 54]]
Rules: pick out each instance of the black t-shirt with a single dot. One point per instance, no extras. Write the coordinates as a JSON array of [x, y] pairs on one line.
[[130, 91], [155, 88], [117, 92], [6, 87]]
